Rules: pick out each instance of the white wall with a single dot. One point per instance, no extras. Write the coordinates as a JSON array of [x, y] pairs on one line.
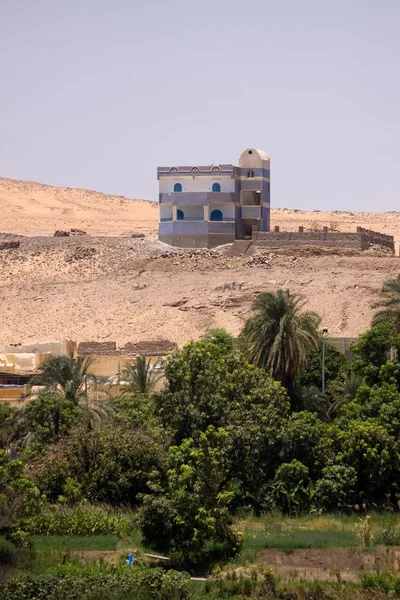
[[165, 211], [200, 183], [192, 211]]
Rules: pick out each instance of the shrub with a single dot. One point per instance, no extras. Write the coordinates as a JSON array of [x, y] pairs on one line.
[[99, 583], [8, 552], [389, 536], [364, 532], [81, 521]]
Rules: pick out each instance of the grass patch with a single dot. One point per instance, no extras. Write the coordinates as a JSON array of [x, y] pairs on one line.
[[310, 539], [62, 543], [274, 531]]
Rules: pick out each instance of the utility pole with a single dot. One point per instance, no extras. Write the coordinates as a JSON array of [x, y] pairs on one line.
[[324, 334]]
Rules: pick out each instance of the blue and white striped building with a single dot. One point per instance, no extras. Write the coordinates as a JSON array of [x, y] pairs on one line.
[[204, 207]]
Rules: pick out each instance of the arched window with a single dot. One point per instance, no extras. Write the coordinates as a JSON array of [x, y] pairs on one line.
[[216, 215], [179, 215], [250, 173], [216, 187], [178, 187]]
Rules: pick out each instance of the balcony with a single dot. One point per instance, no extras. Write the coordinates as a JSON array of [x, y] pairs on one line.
[[195, 198], [251, 212]]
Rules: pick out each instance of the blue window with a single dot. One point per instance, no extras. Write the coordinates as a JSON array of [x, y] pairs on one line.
[[178, 187], [216, 187], [179, 213], [216, 215]]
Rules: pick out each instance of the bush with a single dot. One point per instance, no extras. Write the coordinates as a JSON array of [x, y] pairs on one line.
[[99, 583], [389, 536], [8, 552], [82, 520]]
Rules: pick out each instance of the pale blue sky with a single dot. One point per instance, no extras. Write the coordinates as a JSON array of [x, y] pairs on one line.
[[98, 93]]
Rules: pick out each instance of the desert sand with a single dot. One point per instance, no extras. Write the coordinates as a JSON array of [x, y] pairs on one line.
[[31, 208], [128, 289]]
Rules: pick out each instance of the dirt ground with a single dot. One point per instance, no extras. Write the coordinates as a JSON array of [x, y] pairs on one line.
[[124, 289], [332, 564], [109, 286]]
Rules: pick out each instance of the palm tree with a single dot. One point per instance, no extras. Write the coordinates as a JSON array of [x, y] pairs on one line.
[[280, 336], [311, 399], [389, 304], [62, 373], [139, 378], [64, 379], [344, 390]]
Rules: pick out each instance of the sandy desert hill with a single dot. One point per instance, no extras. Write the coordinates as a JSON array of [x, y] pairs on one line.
[[31, 208], [128, 289]]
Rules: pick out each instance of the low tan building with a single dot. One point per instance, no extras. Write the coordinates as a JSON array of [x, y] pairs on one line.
[[110, 361], [18, 363]]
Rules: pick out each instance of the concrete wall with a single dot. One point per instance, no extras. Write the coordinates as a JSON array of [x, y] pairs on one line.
[[210, 240], [360, 240], [184, 241], [183, 228], [307, 238]]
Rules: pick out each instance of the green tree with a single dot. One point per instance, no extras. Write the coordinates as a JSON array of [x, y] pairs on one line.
[[193, 509], [334, 363], [19, 497], [307, 439], [108, 464], [388, 307], [66, 375], [336, 488], [281, 336], [291, 489], [374, 455], [373, 347], [139, 378], [312, 399], [221, 338], [45, 419], [344, 390], [206, 386]]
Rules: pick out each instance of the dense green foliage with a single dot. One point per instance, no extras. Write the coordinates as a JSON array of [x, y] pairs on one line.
[[81, 520], [238, 425], [98, 583]]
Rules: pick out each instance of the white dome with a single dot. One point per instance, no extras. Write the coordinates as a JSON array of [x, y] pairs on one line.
[[253, 158]]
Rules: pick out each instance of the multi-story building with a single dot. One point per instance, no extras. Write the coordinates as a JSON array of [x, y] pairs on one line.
[[204, 207]]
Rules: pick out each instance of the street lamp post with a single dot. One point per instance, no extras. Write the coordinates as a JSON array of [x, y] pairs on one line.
[[324, 334]]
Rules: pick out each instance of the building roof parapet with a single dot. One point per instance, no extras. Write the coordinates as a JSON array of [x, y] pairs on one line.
[[194, 171]]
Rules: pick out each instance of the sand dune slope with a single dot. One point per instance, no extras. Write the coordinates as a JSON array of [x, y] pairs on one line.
[[31, 208]]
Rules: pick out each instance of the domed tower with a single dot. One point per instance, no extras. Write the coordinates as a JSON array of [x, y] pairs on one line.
[[253, 188]]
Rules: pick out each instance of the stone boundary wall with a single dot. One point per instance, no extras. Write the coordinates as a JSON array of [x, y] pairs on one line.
[[362, 239], [369, 237]]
